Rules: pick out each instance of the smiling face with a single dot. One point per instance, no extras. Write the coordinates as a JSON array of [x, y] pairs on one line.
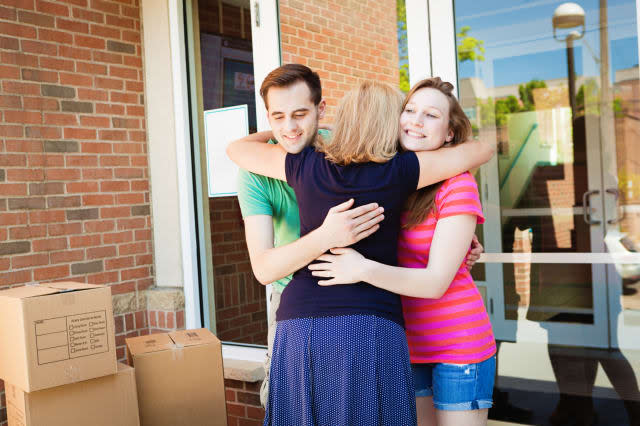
[[424, 122], [293, 116]]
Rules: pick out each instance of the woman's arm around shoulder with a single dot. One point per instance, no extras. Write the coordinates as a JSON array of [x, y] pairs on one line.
[[447, 162], [253, 154]]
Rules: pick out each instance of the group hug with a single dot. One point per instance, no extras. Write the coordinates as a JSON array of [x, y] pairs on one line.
[[365, 228]]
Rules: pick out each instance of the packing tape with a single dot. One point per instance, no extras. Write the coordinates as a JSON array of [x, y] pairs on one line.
[[72, 372], [177, 353]]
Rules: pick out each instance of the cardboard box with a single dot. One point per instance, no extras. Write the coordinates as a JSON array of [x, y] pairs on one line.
[[105, 401], [55, 334], [179, 377]]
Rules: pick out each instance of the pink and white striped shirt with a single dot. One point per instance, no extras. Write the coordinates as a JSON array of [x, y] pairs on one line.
[[455, 328]]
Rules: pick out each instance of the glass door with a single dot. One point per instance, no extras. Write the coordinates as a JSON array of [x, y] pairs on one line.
[[555, 85]]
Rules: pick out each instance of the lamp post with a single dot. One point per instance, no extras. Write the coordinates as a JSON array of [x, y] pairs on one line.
[[567, 16]]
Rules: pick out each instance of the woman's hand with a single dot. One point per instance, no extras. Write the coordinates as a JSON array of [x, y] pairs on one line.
[[474, 253], [342, 267]]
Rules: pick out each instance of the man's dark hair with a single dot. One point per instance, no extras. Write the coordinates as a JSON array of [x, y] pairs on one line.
[[288, 74]]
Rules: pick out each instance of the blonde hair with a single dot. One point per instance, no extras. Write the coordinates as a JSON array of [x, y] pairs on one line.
[[366, 127], [420, 203]]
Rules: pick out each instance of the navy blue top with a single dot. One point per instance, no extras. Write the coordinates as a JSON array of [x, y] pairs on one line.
[[319, 185]]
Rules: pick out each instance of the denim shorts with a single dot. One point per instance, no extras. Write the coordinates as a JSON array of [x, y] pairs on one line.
[[456, 387]]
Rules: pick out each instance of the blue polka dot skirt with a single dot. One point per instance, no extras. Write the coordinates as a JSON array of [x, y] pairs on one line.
[[350, 370]]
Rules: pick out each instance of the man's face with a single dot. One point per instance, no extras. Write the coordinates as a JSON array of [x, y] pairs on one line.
[[293, 116]]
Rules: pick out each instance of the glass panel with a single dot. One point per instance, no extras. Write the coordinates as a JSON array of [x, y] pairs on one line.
[[227, 80], [560, 95]]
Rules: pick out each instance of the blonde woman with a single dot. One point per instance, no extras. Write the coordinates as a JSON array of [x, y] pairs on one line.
[[340, 355]]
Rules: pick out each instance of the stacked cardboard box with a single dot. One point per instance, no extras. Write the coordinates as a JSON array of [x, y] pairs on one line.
[[179, 377], [58, 357]]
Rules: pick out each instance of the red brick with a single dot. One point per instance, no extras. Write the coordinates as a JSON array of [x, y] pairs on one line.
[[104, 31], [88, 15], [46, 216], [7, 101], [27, 232], [97, 200], [79, 133], [118, 237], [85, 241], [72, 25], [61, 119], [139, 273], [119, 263], [46, 160], [66, 256], [23, 175], [13, 160], [101, 252], [133, 248], [100, 173], [125, 98], [82, 160], [15, 277], [114, 212], [96, 147], [22, 117], [62, 174], [55, 36], [56, 229], [49, 244], [39, 47], [106, 278], [109, 83], [9, 72], [114, 186], [52, 8], [109, 109], [30, 260], [19, 58], [99, 226], [51, 272], [69, 79], [82, 187], [41, 104], [21, 88], [112, 58], [56, 64], [120, 22], [91, 68], [88, 41], [17, 30], [131, 36], [75, 53], [161, 319], [95, 95], [113, 135], [121, 72], [42, 132]]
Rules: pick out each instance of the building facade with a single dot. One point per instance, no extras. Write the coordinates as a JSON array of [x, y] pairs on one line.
[[114, 115]]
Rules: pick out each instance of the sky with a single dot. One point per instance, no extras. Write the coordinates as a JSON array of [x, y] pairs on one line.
[[519, 43]]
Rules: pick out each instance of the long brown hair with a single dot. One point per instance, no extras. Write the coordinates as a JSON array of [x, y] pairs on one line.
[[420, 203], [366, 127]]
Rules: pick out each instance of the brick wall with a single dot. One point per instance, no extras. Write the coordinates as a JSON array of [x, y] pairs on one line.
[[240, 300], [74, 188], [344, 41], [243, 403]]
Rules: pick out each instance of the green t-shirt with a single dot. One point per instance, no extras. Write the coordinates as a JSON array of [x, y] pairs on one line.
[[261, 195]]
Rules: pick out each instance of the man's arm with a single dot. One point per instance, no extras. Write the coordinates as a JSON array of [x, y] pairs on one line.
[[341, 227]]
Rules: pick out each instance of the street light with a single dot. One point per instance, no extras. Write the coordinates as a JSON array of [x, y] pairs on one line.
[[567, 16]]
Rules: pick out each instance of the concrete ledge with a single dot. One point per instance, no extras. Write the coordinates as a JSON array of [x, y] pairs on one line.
[[129, 302], [165, 299], [243, 363]]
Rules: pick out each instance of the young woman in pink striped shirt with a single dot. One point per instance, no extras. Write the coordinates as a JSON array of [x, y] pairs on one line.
[[450, 339]]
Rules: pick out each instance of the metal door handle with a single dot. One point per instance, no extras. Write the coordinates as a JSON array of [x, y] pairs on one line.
[[586, 205], [616, 194]]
